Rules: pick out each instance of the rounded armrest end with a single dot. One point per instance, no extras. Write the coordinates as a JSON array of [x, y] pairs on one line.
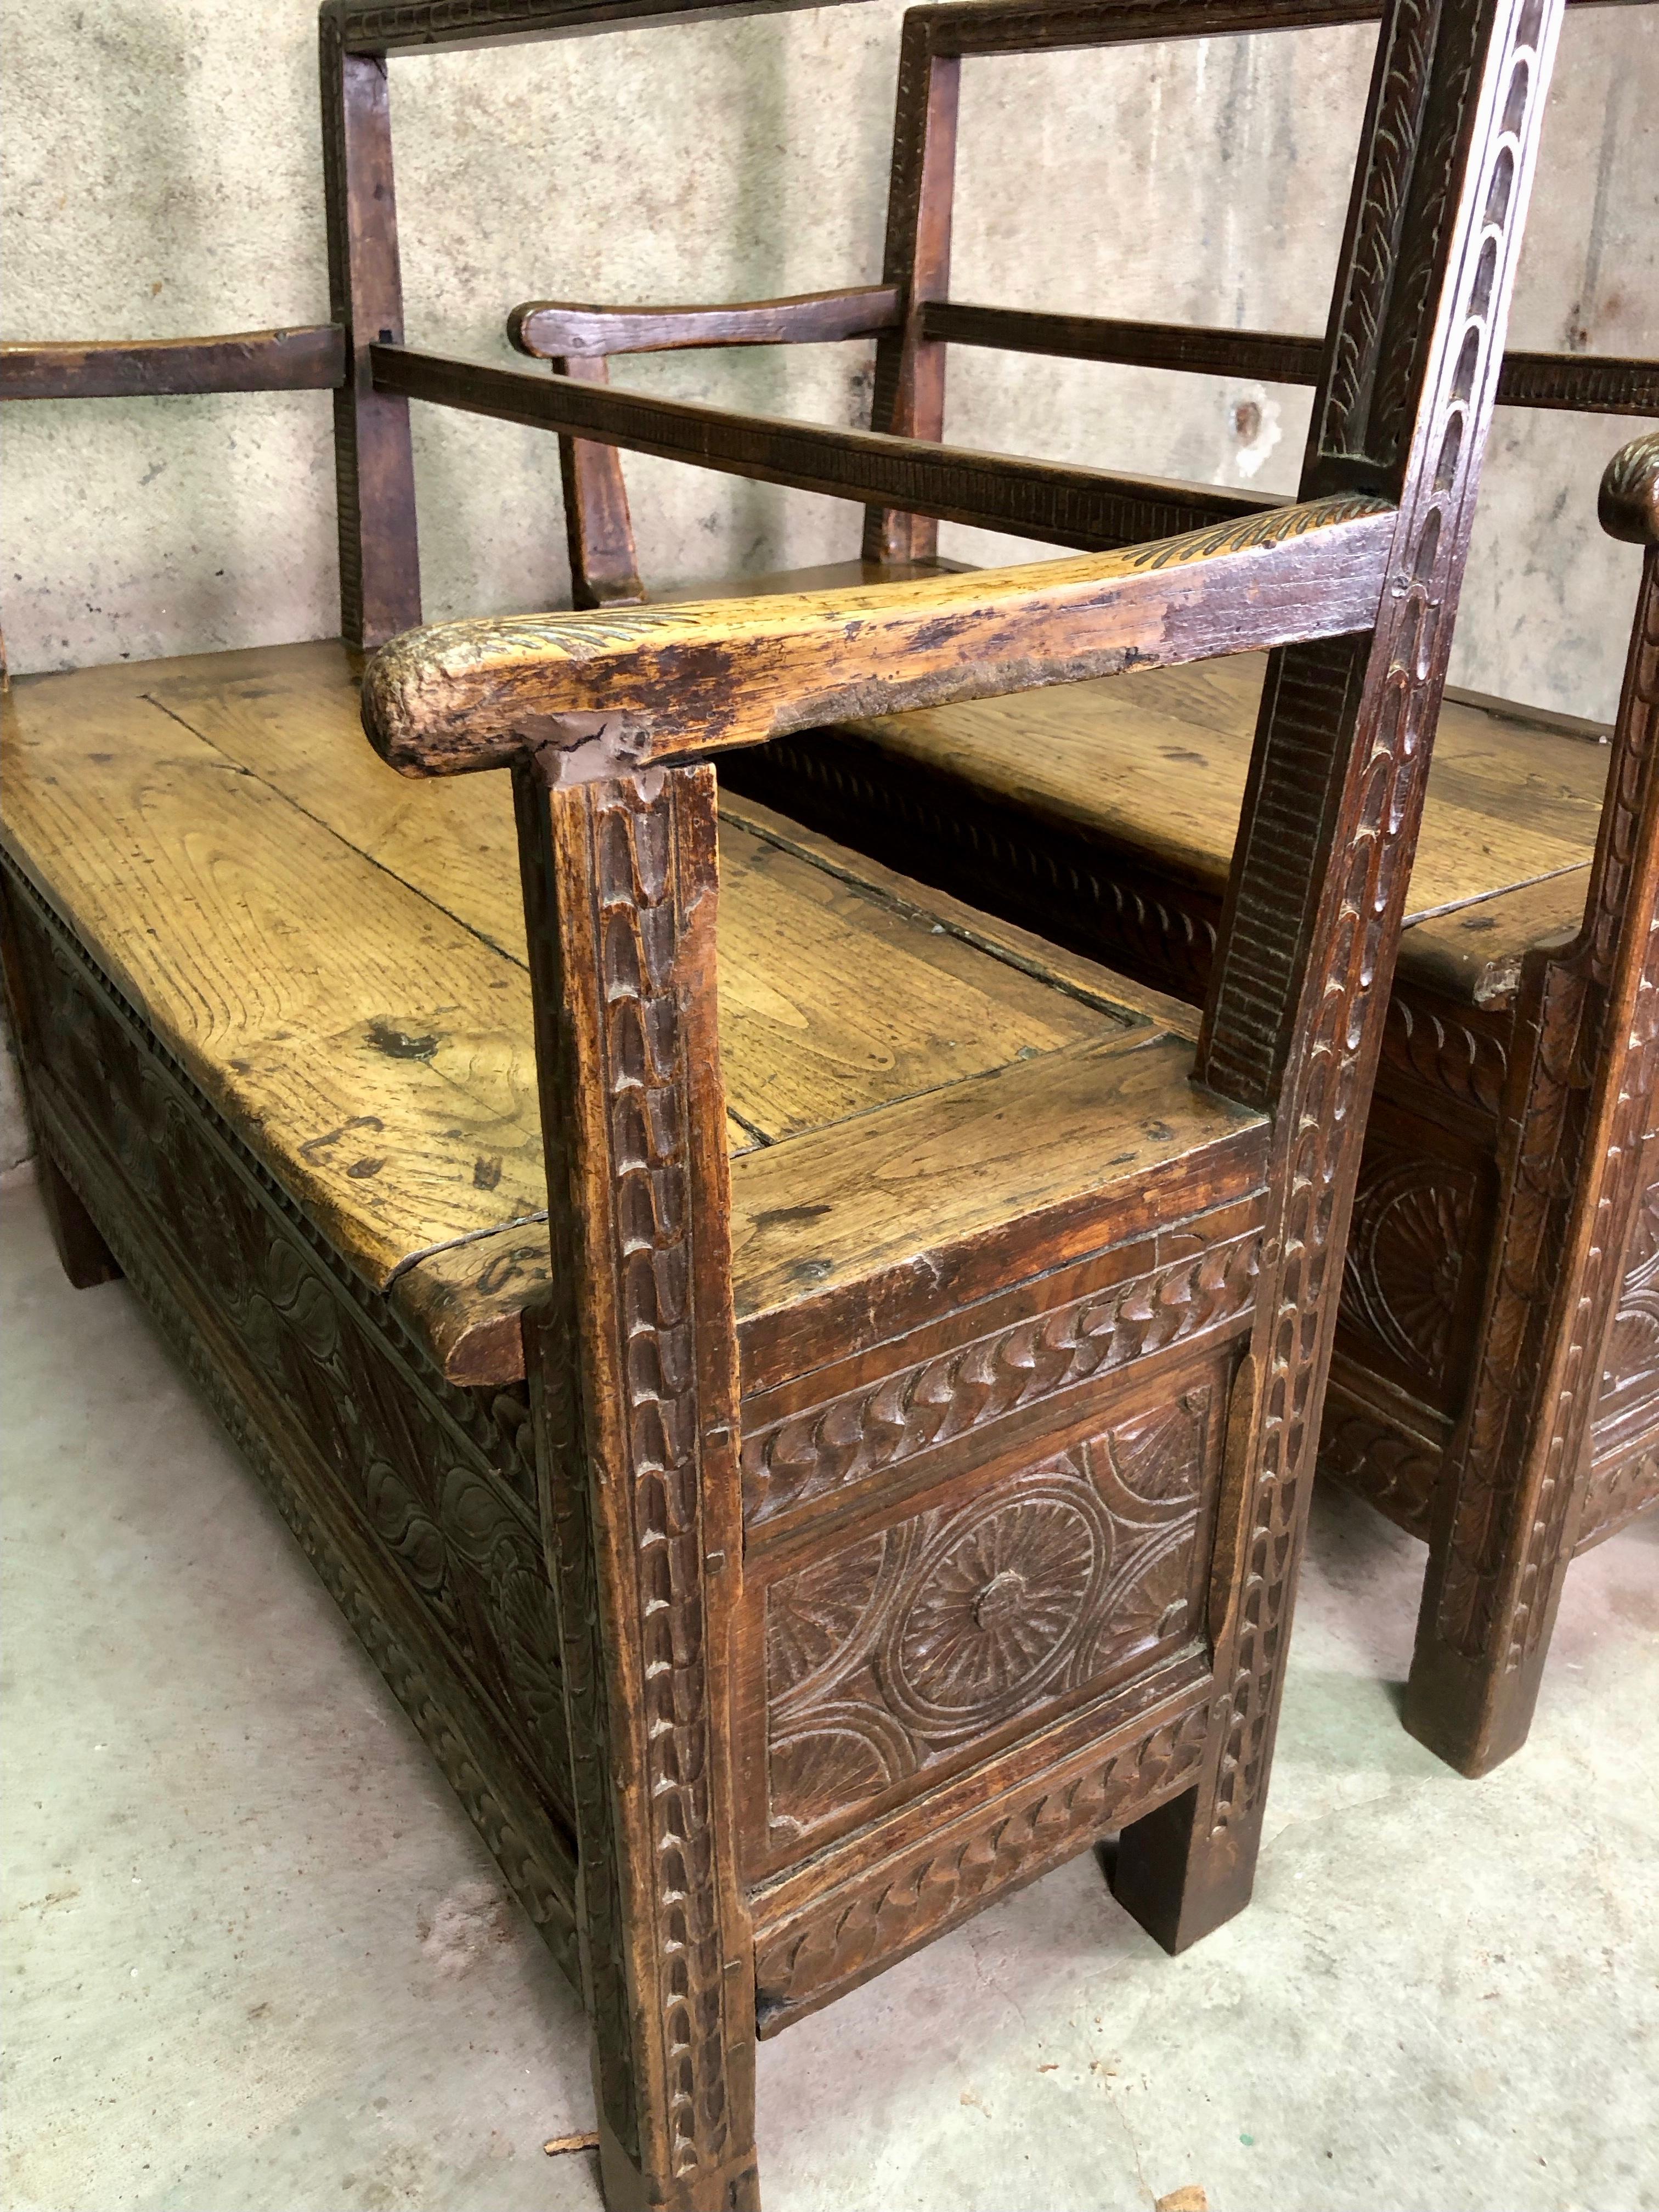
[[1629, 504]]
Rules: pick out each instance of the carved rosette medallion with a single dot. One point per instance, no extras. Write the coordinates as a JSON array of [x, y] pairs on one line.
[[1406, 1249], [910, 1644]]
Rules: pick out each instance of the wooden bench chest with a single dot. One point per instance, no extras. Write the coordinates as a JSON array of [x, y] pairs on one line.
[[813, 1417]]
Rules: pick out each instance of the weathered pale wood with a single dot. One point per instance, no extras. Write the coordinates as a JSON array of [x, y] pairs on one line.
[[376, 1053], [384, 1072], [1156, 761], [656, 683], [1089, 1144], [310, 360], [836, 1001]]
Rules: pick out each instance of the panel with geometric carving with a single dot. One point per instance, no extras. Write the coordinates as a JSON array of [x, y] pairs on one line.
[[1416, 1261], [1630, 1380], [915, 1645], [442, 1477]]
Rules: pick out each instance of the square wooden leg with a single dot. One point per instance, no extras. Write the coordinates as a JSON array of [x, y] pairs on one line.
[[87, 1260]]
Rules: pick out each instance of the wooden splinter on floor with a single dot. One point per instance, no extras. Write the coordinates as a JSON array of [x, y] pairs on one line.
[[814, 1423]]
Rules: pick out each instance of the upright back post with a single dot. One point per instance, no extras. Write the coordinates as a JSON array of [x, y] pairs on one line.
[[1304, 960], [910, 387], [373, 463]]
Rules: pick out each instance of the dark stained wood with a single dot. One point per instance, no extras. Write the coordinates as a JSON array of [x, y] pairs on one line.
[[597, 526], [373, 461], [1063, 506], [551, 329], [1259, 354], [311, 360], [1584, 383], [635, 1390], [1628, 502], [381, 27], [908, 399], [1578, 1180]]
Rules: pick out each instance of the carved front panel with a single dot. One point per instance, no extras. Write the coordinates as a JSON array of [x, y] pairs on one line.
[[940, 1634], [1415, 1266], [1630, 1379], [442, 1477]]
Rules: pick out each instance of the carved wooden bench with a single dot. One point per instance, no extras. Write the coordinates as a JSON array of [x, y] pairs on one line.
[[1103, 816], [814, 1419]]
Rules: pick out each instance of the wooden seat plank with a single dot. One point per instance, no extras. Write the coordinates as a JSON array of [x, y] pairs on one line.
[[832, 1001], [1158, 760], [336, 956], [372, 1051]]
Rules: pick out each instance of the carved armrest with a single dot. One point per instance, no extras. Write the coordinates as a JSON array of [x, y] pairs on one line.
[[601, 694], [567, 329], [1629, 501]]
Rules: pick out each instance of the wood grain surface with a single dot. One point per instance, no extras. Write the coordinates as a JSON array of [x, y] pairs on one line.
[[338, 958], [1157, 759]]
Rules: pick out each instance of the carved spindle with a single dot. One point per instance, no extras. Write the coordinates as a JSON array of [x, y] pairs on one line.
[[597, 526]]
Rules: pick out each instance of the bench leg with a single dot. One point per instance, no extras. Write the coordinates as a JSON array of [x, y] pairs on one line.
[[1179, 1876], [85, 1257], [1482, 1639]]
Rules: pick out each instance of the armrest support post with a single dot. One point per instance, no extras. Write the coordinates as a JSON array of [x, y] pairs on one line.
[[632, 1364]]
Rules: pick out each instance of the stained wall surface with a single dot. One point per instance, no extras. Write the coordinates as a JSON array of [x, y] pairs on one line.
[[162, 177]]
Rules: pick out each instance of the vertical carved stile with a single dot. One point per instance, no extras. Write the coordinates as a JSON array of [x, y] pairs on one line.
[[635, 1366], [1577, 1112], [1299, 993]]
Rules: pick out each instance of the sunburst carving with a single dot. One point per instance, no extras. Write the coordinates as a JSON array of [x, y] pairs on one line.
[[900, 1649]]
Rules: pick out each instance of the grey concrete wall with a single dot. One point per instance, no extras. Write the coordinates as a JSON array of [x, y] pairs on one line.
[[161, 176]]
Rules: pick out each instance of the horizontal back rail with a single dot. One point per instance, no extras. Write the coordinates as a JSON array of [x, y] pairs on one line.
[[967, 28], [312, 359], [1082, 507], [392, 27], [309, 360], [1586, 384]]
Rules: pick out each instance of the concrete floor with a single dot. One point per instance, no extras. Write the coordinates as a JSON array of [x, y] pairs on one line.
[[259, 1962]]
